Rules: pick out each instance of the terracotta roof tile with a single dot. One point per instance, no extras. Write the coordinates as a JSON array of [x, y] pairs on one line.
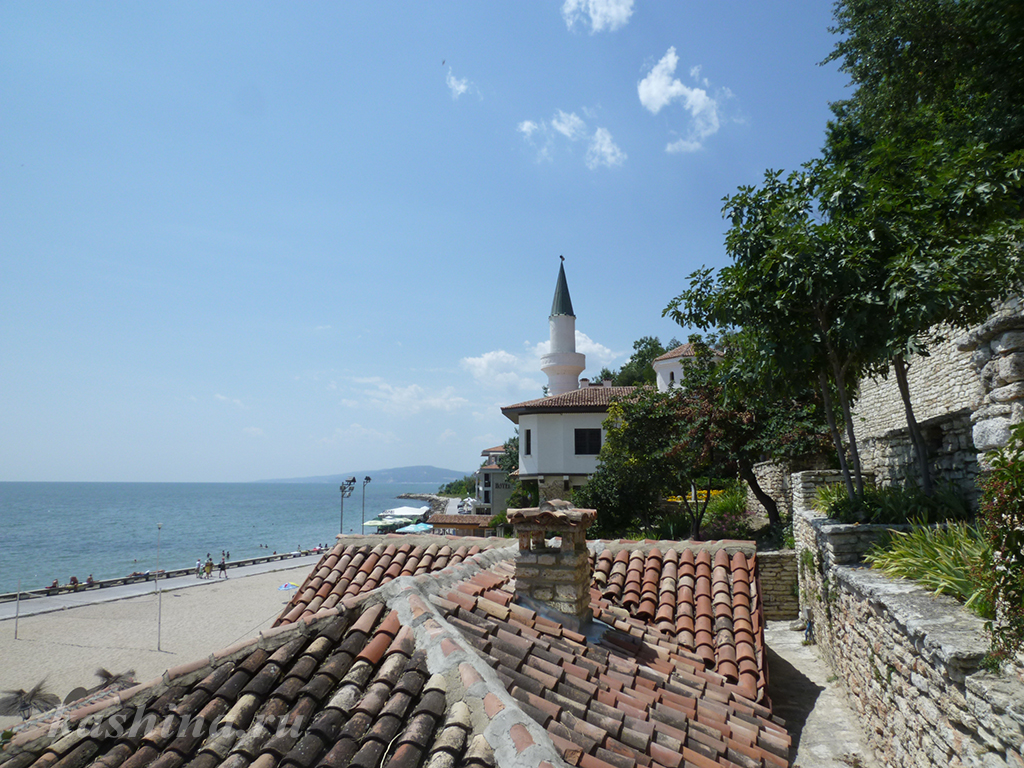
[[682, 683]]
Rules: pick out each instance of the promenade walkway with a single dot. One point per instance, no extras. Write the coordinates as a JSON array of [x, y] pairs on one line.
[[65, 600]]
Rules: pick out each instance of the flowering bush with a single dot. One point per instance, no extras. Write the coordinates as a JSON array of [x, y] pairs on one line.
[[1002, 521]]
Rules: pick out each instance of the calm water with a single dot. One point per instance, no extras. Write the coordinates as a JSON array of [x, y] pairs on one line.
[[55, 530]]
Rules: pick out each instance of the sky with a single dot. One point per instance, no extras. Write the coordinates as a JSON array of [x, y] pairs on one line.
[[251, 240]]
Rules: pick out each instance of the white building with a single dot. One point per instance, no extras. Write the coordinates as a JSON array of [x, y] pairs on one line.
[[560, 435], [669, 367], [492, 484]]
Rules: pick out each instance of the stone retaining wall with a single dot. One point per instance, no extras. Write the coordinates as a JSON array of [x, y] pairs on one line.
[[909, 661]]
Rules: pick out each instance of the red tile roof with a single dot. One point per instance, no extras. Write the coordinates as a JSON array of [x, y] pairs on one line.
[[585, 399], [350, 569], [445, 669]]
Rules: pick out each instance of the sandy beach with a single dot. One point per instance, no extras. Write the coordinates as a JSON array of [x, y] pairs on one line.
[[66, 647]]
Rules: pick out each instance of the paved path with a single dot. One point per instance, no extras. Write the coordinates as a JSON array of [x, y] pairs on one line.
[[825, 728], [87, 597]]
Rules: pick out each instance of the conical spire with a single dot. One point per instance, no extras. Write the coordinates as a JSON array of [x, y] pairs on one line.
[[562, 304]]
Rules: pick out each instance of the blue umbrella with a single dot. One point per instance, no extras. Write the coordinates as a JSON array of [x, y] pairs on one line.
[[416, 528]]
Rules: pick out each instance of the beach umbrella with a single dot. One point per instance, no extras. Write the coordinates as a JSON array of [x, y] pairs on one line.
[[287, 585], [416, 528], [375, 522]]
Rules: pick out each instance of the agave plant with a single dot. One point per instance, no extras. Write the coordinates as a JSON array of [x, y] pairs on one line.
[[946, 559], [22, 702]]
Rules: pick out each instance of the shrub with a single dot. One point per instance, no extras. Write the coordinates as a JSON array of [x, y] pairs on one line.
[[726, 517], [893, 505], [943, 559], [1001, 519]]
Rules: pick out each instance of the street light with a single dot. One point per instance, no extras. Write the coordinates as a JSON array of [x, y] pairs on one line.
[[159, 595], [346, 490], [362, 517]]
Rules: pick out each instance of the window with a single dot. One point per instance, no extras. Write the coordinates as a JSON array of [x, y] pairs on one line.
[[526, 443], [588, 442], [487, 497]]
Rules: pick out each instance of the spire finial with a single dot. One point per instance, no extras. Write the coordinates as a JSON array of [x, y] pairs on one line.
[[562, 258]]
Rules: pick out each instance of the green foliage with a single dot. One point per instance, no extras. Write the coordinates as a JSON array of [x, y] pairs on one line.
[[727, 516], [508, 462], [893, 505], [944, 560], [459, 488], [1002, 520], [638, 370]]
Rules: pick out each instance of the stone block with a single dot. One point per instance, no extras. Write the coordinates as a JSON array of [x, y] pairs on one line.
[[1010, 341], [991, 433], [1011, 367], [1008, 393]]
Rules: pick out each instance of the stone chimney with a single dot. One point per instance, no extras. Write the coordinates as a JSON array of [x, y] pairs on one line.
[[554, 578]]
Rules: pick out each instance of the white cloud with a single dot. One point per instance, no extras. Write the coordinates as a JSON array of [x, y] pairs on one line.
[[448, 436], [569, 125], [234, 401], [411, 399], [502, 370], [528, 128], [602, 14], [358, 434], [603, 151], [322, 328], [455, 85], [660, 88], [682, 145], [253, 431]]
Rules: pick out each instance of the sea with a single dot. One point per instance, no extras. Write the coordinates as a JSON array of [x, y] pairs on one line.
[[58, 530]]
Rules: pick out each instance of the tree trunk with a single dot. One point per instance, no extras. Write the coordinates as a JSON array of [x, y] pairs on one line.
[[699, 510], [747, 473], [844, 402], [837, 439], [900, 366]]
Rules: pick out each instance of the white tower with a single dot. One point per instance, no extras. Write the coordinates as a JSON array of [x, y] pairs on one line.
[[563, 364]]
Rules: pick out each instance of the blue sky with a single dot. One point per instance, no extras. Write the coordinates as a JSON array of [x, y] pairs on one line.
[[252, 240]]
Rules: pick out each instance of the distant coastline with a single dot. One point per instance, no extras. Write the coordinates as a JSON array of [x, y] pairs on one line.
[[415, 475]]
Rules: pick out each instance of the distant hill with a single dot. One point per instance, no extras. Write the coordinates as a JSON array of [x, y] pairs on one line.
[[422, 475]]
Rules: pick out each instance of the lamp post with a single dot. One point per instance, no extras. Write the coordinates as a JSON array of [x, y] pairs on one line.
[[159, 595], [362, 517], [347, 487]]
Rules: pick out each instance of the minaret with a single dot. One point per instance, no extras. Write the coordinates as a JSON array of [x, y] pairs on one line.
[[563, 364]]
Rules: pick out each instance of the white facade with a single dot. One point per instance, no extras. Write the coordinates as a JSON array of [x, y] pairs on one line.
[[668, 372], [553, 444]]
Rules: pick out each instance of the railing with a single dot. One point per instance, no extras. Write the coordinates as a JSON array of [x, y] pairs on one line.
[[63, 589]]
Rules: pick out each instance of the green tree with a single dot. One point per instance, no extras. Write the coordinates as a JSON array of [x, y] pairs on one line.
[[925, 161], [803, 298], [638, 370], [523, 494]]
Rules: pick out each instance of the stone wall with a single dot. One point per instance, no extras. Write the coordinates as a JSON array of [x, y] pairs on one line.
[[777, 574], [944, 388], [997, 356], [909, 661], [774, 477]]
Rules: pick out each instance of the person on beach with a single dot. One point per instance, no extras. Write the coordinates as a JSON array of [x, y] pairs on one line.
[[223, 569], [199, 568], [209, 567]]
